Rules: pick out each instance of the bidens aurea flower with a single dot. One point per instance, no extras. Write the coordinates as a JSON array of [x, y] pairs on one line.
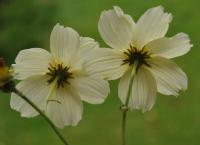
[[58, 82], [142, 47]]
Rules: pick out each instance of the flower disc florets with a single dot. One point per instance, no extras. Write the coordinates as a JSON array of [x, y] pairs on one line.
[[135, 55], [60, 73]]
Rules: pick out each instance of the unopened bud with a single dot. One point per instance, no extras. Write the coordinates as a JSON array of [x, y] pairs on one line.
[[6, 82]]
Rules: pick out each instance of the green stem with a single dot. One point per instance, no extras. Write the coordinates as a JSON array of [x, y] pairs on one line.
[[124, 128], [42, 114], [124, 107]]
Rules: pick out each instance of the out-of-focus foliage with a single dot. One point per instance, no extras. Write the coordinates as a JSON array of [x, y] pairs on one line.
[[24, 24], [173, 121]]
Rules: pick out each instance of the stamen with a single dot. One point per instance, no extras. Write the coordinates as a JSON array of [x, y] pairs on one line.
[[133, 55], [59, 73]]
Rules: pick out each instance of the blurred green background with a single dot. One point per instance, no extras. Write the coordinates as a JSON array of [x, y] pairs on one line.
[[172, 121]]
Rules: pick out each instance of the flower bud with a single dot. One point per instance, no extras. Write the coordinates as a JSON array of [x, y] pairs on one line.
[[6, 82]]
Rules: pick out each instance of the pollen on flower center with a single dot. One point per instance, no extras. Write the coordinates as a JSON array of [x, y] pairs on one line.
[[60, 73], [134, 55]]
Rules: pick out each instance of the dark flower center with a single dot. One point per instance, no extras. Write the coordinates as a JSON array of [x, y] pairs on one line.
[[134, 55], [59, 73]]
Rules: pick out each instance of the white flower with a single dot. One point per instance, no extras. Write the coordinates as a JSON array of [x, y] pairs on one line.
[[142, 45], [57, 82]]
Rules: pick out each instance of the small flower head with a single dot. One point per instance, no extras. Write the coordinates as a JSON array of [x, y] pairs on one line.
[[144, 44], [58, 81]]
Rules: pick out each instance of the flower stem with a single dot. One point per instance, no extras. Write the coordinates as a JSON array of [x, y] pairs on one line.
[[16, 91], [123, 134], [124, 108]]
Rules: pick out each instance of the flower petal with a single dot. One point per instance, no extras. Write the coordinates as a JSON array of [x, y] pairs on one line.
[[170, 47], [169, 77], [123, 86], [87, 45], [29, 62], [106, 63], [64, 42], [144, 90], [36, 89], [69, 109], [92, 90], [153, 24], [116, 28]]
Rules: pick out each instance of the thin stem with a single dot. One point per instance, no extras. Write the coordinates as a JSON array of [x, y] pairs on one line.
[[124, 107], [130, 83], [42, 114], [123, 135]]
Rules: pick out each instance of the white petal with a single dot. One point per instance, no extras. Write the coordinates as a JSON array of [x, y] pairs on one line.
[[169, 77], [116, 28], [87, 45], [36, 89], [153, 24], [29, 62], [124, 85], [69, 109], [170, 47], [64, 42], [92, 90], [106, 63], [144, 90]]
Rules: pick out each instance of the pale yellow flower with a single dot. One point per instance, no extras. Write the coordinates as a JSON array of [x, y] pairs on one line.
[[58, 82], [143, 46]]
